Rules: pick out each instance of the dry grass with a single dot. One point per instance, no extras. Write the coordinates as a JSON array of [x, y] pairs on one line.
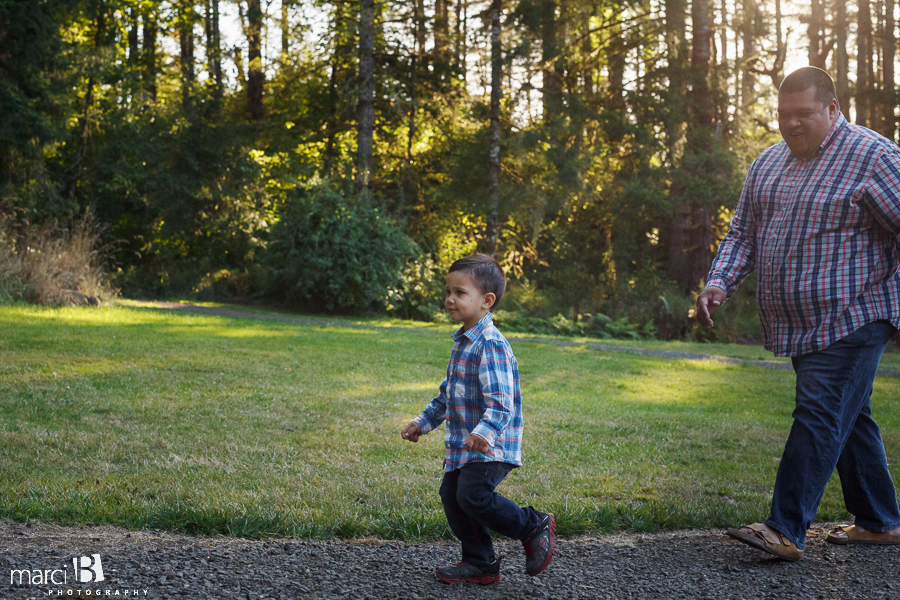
[[54, 266]]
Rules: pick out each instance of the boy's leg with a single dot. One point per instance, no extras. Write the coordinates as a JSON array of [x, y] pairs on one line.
[[486, 509], [477, 547]]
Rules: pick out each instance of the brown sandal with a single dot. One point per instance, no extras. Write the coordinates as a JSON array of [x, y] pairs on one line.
[[755, 535], [850, 534]]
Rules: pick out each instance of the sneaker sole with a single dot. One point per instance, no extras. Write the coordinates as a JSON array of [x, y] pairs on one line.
[[552, 547], [482, 580]]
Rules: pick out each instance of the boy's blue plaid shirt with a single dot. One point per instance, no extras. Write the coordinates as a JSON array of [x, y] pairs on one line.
[[480, 395]]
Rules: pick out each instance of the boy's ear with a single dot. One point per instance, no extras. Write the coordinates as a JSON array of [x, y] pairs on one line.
[[490, 298]]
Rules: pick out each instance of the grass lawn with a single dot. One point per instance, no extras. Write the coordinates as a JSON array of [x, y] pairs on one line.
[[153, 418]]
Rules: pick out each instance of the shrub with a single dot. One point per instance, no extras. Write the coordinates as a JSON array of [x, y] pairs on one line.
[[327, 253], [54, 266]]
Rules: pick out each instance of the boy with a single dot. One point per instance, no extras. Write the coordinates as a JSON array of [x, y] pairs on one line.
[[481, 401]]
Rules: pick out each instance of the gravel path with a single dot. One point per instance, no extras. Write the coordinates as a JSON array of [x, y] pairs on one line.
[[224, 312], [687, 564]]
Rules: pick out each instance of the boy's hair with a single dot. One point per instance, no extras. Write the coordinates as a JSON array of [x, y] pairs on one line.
[[486, 272]]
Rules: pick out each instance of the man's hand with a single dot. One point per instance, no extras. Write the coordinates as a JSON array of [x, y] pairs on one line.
[[476, 443], [411, 432], [897, 339], [708, 301]]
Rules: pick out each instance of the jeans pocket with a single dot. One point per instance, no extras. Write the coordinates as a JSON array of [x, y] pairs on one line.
[[495, 472]]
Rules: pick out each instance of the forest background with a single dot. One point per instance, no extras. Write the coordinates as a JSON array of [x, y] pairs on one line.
[[338, 156]]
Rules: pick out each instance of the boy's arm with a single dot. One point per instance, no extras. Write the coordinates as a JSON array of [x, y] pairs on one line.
[[436, 411], [495, 373]]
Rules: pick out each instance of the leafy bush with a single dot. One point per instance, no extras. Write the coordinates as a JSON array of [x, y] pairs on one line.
[[54, 266], [598, 325], [327, 253]]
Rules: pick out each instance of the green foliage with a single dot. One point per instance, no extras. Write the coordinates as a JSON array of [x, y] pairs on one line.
[[328, 254], [597, 325]]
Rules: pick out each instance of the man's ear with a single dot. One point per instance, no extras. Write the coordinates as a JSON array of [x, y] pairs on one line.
[[490, 298]]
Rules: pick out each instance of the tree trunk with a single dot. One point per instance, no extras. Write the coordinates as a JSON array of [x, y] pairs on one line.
[[842, 61], [81, 148], [365, 108], [863, 62], [133, 53], [186, 44], [285, 28], [777, 72], [493, 203], [551, 79], [441, 30], [689, 240], [255, 75], [814, 30], [677, 51], [748, 79], [149, 54], [889, 53], [587, 52], [214, 48]]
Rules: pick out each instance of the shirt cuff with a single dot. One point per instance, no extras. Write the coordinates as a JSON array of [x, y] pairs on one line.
[[487, 432], [719, 283], [424, 423]]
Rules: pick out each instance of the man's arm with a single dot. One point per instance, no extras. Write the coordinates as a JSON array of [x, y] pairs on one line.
[[883, 198], [735, 259]]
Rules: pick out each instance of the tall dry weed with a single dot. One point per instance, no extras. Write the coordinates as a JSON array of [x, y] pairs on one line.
[[54, 266]]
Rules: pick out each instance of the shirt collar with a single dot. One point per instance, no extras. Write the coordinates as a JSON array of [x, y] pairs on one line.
[[476, 330]]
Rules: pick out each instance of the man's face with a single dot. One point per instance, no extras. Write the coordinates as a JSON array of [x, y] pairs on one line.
[[804, 121]]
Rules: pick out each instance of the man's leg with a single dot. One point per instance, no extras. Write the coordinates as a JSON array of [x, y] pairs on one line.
[[833, 389], [869, 492]]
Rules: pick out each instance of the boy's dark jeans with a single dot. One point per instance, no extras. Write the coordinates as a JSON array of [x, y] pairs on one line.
[[472, 507]]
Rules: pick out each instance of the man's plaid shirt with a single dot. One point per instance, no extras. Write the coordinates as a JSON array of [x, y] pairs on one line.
[[480, 395], [824, 236]]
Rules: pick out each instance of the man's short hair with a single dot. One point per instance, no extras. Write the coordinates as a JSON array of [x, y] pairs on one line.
[[485, 271], [806, 77]]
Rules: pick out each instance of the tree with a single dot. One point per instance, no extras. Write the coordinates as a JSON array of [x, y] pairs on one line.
[[214, 49], [365, 109], [491, 231], [186, 44], [842, 61], [863, 63], [255, 73]]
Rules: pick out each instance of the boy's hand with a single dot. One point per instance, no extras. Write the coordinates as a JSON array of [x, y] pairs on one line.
[[476, 443], [411, 432]]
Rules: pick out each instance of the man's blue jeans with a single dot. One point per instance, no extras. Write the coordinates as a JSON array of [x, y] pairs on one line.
[[473, 507], [833, 427]]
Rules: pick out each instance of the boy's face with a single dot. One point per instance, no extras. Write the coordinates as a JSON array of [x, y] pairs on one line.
[[465, 302]]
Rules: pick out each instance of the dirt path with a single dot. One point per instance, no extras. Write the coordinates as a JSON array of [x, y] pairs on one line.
[[685, 564], [224, 312]]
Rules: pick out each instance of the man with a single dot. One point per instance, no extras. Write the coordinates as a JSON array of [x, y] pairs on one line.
[[819, 219]]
